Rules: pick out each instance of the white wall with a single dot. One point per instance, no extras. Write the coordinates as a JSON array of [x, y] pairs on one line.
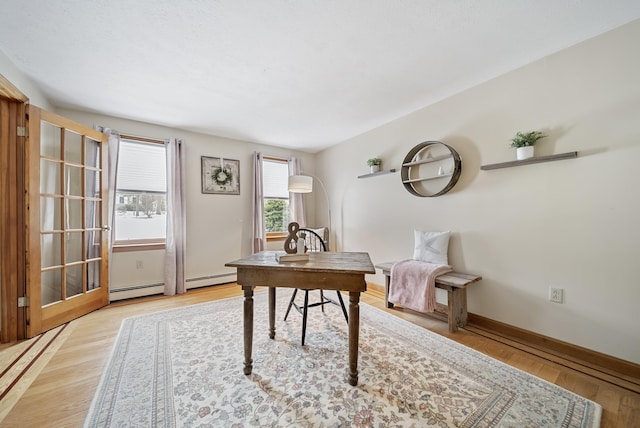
[[23, 83], [218, 226], [572, 224]]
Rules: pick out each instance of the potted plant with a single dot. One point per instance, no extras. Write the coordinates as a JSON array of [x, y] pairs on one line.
[[524, 141], [374, 163]]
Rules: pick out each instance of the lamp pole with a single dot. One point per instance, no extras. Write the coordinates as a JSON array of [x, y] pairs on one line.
[[326, 195]]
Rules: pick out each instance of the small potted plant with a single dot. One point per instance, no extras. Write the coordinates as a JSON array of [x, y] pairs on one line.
[[374, 163], [524, 141]]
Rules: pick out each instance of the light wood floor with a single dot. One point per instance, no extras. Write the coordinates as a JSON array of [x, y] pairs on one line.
[[61, 394]]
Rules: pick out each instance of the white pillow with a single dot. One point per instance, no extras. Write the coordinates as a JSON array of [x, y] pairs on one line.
[[431, 247], [322, 231]]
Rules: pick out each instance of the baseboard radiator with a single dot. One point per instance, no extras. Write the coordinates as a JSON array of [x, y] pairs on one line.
[[140, 290]]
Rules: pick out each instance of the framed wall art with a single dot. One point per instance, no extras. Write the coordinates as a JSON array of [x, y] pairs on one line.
[[220, 176]]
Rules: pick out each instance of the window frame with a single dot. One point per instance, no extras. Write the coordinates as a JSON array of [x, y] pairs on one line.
[[139, 244], [275, 236]]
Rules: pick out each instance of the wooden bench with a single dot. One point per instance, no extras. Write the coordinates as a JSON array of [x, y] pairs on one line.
[[456, 285]]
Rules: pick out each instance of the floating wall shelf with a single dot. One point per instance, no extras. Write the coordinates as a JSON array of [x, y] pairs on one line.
[[535, 159], [425, 165], [428, 160], [373, 174], [435, 177]]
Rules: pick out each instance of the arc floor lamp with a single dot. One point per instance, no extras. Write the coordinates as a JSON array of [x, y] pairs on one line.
[[303, 183]]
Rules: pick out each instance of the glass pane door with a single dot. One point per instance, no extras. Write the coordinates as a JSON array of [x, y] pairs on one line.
[[70, 279]]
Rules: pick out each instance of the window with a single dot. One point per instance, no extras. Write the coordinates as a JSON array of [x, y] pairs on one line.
[[275, 179], [141, 194]]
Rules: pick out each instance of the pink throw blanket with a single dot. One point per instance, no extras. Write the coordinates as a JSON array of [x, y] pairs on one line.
[[413, 284]]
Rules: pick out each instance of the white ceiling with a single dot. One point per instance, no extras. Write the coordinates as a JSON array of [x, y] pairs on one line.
[[303, 74]]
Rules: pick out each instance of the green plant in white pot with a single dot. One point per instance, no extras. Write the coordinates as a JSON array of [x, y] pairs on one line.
[[524, 142], [374, 163]]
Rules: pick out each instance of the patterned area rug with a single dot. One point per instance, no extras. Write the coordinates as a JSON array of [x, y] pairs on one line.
[[183, 367]]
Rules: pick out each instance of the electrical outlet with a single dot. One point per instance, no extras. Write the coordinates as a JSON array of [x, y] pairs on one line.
[[138, 264], [556, 295]]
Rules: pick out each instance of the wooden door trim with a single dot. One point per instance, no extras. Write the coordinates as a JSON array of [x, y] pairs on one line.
[[8, 90], [12, 219]]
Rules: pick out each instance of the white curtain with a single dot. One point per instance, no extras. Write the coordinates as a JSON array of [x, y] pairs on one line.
[[296, 205], [258, 235], [174, 281]]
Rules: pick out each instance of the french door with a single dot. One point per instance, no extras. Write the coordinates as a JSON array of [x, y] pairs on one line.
[[66, 232]]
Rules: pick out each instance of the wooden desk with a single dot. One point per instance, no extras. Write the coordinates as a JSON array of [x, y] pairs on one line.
[[456, 285], [324, 270]]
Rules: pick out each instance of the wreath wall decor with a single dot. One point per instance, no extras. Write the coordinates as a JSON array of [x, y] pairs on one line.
[[220, 175]]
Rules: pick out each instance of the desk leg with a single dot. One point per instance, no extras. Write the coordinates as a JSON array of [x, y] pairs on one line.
[[272, 312], [248, 328], [354, 333]]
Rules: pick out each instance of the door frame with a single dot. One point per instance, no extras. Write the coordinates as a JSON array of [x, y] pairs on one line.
[[12, 213]]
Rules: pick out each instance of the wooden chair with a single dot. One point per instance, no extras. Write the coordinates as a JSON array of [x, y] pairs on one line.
[[314, 243]]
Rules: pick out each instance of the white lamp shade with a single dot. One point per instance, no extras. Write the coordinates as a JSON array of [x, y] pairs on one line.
[[300, 184]]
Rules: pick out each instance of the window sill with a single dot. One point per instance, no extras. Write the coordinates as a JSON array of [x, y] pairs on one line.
[[276, 237], [123, 248]]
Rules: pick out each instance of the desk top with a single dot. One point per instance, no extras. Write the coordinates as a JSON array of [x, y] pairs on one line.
[[334, 262]]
